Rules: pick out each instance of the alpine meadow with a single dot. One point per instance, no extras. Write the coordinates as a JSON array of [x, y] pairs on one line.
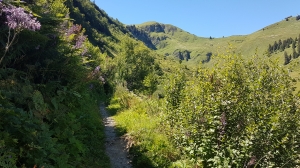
[[177, 100]]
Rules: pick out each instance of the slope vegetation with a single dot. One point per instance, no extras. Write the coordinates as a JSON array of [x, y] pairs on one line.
[[169, 39], [58, 60]]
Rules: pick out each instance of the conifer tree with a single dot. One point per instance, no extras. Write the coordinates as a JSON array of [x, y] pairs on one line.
[[270, 49], [298, 46], [294, 44], [289, 42], [279, 44], [275, 46], [295, 54], [283, 46], [287, 58]]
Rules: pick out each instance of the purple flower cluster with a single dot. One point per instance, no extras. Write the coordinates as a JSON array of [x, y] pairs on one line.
[[75, 29], [79, 38], [79, 41], [18, 19]]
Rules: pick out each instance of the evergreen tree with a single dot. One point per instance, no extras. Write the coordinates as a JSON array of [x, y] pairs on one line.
[[275, 46], [279, 44], [283, 46], [270, 49], [289, 42], [295, 54], [294, 44], [287, 58], [298, 46]]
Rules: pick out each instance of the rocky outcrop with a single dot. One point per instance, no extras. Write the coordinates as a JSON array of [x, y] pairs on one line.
[[182, 54], [141, 35], [154, 34], [156, 40], [170, 29], [155, 27]]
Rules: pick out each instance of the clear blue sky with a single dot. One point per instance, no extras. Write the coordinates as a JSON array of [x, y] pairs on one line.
[[203, 18]]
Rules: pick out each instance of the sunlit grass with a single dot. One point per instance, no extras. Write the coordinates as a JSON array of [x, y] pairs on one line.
[[142, 124]]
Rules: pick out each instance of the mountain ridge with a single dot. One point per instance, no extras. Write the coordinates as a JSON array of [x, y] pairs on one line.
[[168, 38]]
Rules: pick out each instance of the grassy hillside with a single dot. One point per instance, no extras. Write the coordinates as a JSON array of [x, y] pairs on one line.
[[173, 38], [268, 35]]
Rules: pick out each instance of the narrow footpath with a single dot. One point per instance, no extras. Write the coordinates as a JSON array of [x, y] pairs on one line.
[[115, 147]]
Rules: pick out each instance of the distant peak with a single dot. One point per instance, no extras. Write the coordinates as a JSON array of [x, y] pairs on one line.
[[148, 23], [152, 27]]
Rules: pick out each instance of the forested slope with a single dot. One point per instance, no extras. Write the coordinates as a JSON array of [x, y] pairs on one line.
[[59, 58]]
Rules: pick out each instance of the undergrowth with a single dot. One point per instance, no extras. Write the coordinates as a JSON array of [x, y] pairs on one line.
[[49, 92], [140, 119], [65, 131]]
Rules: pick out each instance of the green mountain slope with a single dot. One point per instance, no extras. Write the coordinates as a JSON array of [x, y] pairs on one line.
[[168, 39]]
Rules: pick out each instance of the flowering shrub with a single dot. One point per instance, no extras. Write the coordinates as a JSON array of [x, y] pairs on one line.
[[75, 29], [18, 19], [75, 35], [79, 41]]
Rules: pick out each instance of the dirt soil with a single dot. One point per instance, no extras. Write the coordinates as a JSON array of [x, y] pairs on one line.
[[115, 147]]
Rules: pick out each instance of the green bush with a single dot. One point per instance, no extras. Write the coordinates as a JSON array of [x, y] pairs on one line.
[[48, 110], [240, 114]]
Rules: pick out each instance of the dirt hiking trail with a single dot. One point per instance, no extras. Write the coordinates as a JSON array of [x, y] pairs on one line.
[[115, 147]]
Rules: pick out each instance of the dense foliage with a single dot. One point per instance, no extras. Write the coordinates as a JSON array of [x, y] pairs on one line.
[[136, 65], [59, 58], [241, 114], [49, 89]]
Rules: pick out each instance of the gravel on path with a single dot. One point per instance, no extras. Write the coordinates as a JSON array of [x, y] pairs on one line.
[[115, 147]]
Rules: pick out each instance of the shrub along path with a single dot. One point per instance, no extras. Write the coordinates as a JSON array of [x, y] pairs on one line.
[[115, 146]]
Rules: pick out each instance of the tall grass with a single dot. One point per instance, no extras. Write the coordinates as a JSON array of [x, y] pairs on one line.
[[139, 120]]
